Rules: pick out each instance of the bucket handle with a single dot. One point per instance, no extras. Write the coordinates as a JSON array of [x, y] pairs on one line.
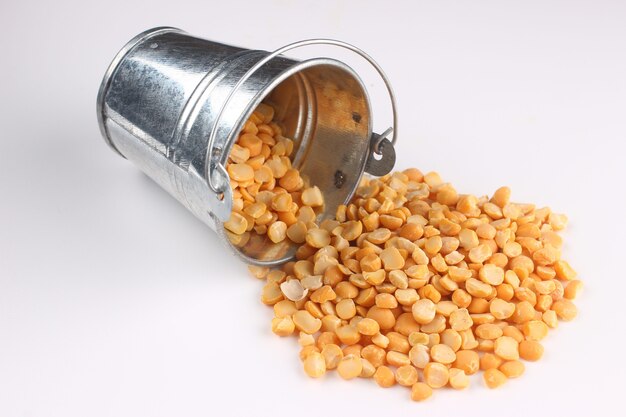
[[266, 59]]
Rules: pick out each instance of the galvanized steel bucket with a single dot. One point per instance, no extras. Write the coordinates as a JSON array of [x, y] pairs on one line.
[[173, 104]]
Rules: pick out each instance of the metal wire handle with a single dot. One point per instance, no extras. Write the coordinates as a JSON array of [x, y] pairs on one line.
[[274, 54]]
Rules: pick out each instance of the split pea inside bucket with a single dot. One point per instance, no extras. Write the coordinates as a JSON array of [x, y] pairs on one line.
[[221, 127]]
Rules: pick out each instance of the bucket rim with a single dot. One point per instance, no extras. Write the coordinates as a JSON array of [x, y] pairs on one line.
[[231, 139]]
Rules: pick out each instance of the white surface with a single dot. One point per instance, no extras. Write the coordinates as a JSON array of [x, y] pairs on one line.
[[114, 301]]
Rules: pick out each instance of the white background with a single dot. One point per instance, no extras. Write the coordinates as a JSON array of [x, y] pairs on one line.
[[115, 301]]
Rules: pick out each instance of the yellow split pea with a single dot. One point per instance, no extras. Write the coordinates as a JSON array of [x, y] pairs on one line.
[[270, 197], [413, 283]]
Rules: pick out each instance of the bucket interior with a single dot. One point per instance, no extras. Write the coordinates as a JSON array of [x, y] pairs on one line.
[[324, 107]]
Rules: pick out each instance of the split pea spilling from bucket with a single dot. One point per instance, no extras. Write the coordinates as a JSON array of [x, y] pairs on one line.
[[173, 104]]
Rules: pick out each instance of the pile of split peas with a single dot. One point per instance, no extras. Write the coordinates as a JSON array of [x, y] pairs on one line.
[[412, 283], [269, 196]]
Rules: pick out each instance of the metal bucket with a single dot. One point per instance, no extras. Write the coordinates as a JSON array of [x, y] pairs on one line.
[[174, 104]]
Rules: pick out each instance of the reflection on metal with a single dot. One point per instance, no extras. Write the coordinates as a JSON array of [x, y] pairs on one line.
[[173, 104]]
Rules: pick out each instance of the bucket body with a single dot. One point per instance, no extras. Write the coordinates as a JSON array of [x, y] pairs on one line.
[[173, 105]]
